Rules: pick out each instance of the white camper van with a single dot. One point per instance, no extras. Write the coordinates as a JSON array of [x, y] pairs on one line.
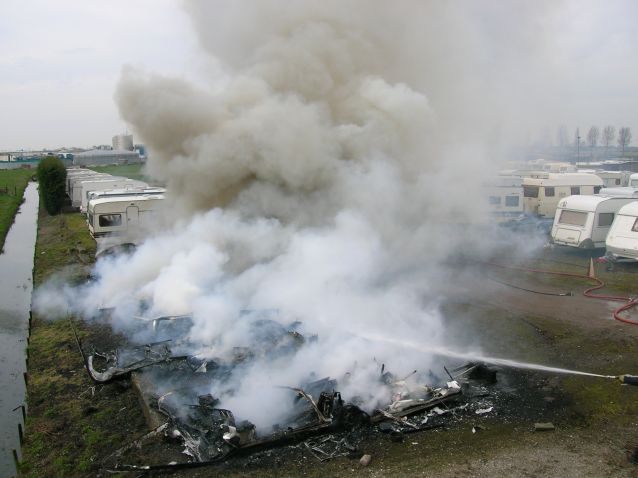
[[505, 197], [584, 221], [106, 184], [542, 191], [622, 239], [123, 214]]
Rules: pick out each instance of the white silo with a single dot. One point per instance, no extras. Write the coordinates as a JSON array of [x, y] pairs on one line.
[[123, 142]]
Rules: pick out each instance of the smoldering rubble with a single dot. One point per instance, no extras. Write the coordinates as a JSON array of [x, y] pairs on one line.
[[315, 415]]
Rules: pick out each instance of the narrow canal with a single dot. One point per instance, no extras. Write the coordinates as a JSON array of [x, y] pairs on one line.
[[16, 269]]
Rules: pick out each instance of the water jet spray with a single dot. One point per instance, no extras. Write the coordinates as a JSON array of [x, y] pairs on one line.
[[625, 379]]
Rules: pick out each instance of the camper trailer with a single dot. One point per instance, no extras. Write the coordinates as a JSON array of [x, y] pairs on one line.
[[125, 192], [542, 191], [505, 197], [73, 173], [614, 179], [622, 239], [106, 184], [75, 191], [550, 166], [122, 214], [584, 221], [626, 192]]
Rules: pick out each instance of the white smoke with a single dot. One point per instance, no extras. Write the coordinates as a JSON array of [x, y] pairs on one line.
[[318, 177]]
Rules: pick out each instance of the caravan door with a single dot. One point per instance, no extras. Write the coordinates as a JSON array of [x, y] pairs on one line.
[[132, 217]]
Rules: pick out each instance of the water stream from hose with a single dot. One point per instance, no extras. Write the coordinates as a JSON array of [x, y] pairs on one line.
[[474, 357]]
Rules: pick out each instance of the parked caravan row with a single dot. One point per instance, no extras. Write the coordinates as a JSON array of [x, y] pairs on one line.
[[114, 205], [607, 220], [584, 221]]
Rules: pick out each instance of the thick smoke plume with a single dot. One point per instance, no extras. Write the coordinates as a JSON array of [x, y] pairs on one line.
[[328, 168]]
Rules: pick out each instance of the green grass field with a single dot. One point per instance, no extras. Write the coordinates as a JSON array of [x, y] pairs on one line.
[[12, 185]]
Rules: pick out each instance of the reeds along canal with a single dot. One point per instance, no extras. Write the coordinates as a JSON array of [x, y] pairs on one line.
[[16, 285]]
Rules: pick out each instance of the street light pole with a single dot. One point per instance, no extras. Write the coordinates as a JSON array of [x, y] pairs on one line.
[[578, 148]]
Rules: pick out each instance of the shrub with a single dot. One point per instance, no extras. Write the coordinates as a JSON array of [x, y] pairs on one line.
[[52, 179]]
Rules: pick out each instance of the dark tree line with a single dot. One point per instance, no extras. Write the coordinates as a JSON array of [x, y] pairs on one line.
[[52, 179]]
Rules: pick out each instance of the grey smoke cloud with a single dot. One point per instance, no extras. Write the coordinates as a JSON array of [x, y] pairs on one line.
[[327, 176]]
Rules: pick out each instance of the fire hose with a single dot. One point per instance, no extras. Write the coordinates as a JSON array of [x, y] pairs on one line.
[[589, 292]]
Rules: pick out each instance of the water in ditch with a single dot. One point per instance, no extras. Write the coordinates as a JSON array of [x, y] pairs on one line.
[[16, 269]]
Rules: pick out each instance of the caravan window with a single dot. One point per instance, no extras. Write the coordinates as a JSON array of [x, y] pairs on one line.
[[110, 220], [635, 227], [511, 201], [605, 219], [597, 189], [530, 191], [575, 190], [549, 192], [90, 219], [495, 200], [575, 218]]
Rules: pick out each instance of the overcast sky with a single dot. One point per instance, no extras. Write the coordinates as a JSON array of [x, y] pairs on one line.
[[60, 61]]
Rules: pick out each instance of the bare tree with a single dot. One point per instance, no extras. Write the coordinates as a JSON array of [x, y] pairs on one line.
[[624, 138], [608, 136], [592, 139]]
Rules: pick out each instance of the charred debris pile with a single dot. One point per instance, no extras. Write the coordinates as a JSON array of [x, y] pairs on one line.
[[174, 389]]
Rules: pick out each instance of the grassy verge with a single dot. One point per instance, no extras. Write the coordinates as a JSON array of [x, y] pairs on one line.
[[12, 185], [72, 423]]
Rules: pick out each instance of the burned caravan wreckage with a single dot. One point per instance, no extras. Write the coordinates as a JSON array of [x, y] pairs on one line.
[[176, 388]]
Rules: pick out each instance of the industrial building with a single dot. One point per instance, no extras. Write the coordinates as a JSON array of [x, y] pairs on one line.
[[98, 157]]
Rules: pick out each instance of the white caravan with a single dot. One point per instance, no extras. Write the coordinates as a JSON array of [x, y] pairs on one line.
[[74, 173], [505, 197], [613, 179], [551, 166], [106, 184], [633, 180], [622, 239], [75, 191], [584, 221], [125, 192], [542, 191], [123, 214], [626, 192]]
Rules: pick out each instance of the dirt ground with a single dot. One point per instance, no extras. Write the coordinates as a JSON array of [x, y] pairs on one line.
[[595, 419]]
